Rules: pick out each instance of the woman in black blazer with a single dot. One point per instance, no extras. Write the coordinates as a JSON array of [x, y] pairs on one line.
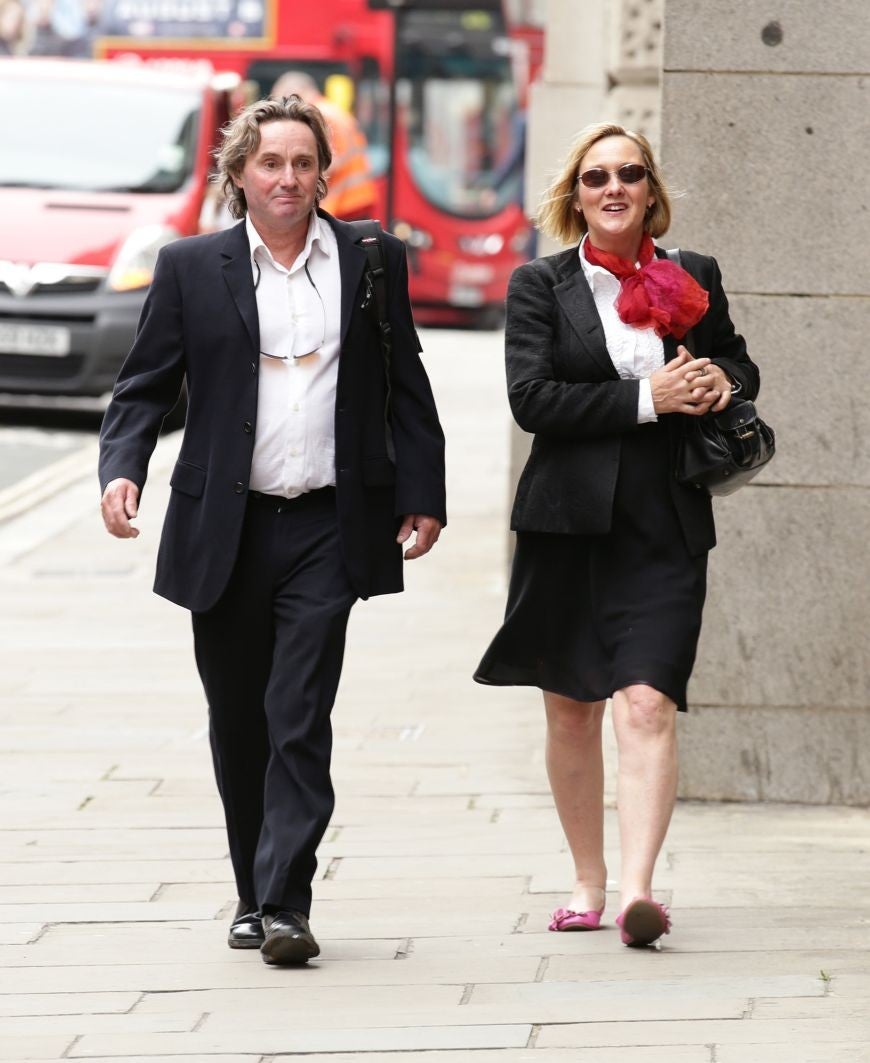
[[609, 575]]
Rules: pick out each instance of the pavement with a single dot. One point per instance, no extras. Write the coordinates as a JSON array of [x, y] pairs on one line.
[[444, 858]]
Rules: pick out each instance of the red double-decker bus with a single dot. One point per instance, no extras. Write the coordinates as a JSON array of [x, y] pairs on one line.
[[438, 87]]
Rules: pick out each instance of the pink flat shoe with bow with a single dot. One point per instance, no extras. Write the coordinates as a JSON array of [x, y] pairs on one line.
[[566, 919], [643, 922]]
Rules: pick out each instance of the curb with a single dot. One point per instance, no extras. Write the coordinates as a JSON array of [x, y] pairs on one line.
[[47, 482], [51, 499]]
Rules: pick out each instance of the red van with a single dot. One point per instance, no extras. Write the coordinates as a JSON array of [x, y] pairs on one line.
[[101, 165]]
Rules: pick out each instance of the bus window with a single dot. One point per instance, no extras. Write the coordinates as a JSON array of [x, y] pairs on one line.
[[371, 96], [456, 100]]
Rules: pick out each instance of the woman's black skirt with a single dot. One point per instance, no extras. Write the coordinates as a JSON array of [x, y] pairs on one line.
[[590, 614]]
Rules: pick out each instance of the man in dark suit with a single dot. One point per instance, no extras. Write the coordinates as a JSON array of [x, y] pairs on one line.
[[292, 492]]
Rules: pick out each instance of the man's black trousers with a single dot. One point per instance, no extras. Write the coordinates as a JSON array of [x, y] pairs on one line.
[[269, 655]]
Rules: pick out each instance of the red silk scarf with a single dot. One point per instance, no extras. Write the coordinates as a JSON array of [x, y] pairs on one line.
[[659, 294]]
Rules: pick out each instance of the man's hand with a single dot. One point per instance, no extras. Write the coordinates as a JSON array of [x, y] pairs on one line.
[[120, 505], [427, 528]]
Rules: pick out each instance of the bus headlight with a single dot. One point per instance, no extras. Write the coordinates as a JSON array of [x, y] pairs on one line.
[[520, 241], [134, 264], [412, 236], [482, 244]]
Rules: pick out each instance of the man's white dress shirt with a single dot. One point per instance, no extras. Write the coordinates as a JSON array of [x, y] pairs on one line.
[[636, 353], [300, 317]]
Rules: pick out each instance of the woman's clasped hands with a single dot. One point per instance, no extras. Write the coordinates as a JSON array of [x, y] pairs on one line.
[[693, 386]]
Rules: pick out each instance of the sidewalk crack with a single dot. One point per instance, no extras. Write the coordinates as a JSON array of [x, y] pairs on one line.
[[135, 1004], [332, 870], [405, 949], [66, 1052], [522, 919], [466, 993], [39, 934], [542, 968], [533, 1035]]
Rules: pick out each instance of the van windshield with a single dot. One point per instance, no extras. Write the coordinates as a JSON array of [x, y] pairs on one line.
[[89, 136]]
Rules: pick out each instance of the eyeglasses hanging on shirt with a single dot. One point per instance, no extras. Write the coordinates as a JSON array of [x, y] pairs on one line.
[[300, 338]]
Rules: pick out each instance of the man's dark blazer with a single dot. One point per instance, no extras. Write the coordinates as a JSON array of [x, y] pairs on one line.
[[564, 388], [199, 322]]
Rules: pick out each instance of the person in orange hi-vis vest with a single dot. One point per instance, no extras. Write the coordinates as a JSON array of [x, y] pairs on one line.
[[352, 192]]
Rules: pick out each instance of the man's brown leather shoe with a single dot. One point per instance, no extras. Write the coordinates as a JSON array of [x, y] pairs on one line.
[[288, 939], [246, 929]]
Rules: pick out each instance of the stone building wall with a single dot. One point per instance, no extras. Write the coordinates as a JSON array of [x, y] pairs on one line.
[[762, 120], [763, 108]]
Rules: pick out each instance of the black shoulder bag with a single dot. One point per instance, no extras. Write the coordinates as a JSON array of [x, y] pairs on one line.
[[721, 452], [367, 234]]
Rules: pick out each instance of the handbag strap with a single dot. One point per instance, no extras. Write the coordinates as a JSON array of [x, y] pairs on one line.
[[689, 339]]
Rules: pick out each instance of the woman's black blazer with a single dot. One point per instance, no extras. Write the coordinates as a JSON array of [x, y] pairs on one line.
[[563, 387]]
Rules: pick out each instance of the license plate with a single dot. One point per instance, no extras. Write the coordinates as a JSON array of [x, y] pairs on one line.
[[465, 295], [52, 341]]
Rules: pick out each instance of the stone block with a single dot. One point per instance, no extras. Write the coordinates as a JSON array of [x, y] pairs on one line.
[[785, 621], [817, 755], [574, 48], [792, 36], [638, 107], [753, 154], [635, 39], [808, 351]]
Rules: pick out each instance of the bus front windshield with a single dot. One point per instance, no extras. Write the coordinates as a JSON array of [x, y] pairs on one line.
[[457, 104]]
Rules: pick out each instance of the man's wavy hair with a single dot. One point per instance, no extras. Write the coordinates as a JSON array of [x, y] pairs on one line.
[[556, 215], [240, 138]]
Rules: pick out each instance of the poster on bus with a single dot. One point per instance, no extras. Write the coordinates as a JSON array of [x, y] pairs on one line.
[[72, 28], [221, 19]]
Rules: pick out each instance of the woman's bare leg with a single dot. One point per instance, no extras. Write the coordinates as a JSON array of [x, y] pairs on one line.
[[575, 766], [646, 736]]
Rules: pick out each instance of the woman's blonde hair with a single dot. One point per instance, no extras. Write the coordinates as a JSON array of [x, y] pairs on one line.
[[557, 216], [241, 138]]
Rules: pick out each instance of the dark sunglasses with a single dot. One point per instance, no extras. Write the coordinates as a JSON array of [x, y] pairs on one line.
[[629, 174]]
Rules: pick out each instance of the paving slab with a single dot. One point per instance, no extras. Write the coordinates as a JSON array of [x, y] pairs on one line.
[[790, 1052], [22, 1049], [671, 1054], [75, 1025], [362, 1040], [758, 1033], [67, 1003], [246, 1057], [539, 1012], [242, 971], [225, 1005]]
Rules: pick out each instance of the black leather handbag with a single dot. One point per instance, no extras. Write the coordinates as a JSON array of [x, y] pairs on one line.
[[723, 451]]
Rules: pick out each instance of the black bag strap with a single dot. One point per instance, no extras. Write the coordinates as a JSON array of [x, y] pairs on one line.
[[689, 339], [367, 234]]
